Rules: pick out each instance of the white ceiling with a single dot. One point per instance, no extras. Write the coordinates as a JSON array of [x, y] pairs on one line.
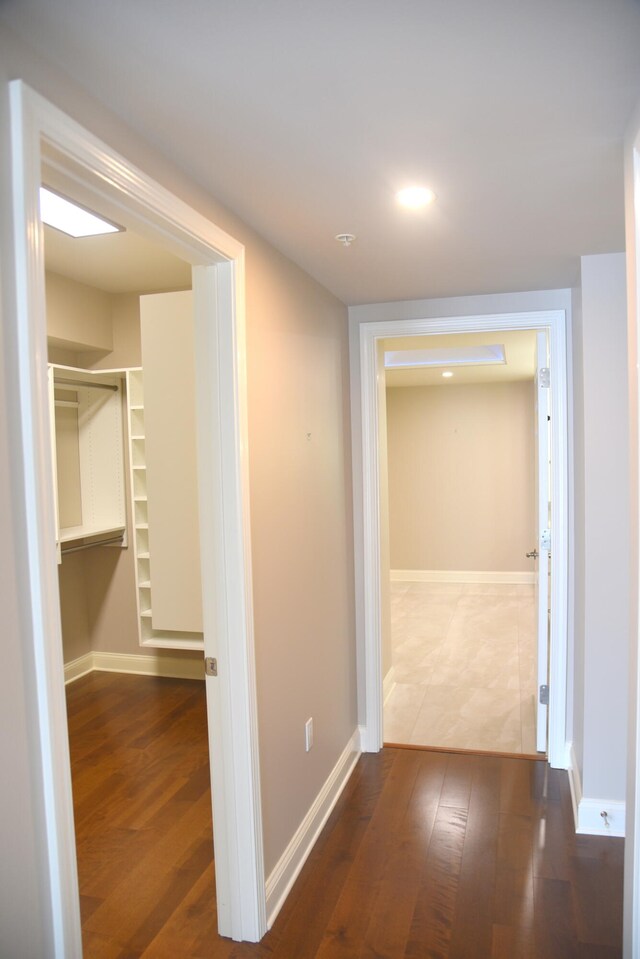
[[128, 262], [305, 117], [519, 350]]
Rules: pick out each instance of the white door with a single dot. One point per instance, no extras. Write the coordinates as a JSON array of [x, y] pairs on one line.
[[540, 553]]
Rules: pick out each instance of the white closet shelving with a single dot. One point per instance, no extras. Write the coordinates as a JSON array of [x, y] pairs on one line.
[[88, 455], [149, 636]]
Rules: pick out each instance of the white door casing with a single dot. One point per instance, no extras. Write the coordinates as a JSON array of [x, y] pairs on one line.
[[224, 502], [363, 338], [542, 543]]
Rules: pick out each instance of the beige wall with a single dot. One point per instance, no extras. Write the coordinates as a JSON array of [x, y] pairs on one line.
[[602, 662], [125, 332], [461, 476], [301, 523], [78, 316], [632, 226], [301, 518]]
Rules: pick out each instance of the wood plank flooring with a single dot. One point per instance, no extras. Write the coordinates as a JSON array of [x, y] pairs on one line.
[[426, 856]]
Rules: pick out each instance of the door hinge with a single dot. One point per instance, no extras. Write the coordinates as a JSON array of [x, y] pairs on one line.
[[544, 695], [545, 376], [545, 539], [210, 666]]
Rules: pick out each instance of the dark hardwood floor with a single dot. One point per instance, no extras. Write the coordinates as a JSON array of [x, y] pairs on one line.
[[426, 856]]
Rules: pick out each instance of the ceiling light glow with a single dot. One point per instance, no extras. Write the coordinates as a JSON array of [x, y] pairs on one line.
[[62, 214], [415, 197], [447, 374]]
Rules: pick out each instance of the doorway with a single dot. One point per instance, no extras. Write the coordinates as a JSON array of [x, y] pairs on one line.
[[366, 334], [40, 131], [461, 516]]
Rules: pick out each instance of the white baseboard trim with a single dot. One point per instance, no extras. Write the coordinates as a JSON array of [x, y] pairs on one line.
[[587, 813], [170, 667], [389, 684], [461, 576], [78, 667], [295, 855]]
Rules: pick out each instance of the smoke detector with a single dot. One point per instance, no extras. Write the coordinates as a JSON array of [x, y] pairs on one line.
[[345, 238]]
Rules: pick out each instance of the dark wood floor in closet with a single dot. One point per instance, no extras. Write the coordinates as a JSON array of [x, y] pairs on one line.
[[426, 856]]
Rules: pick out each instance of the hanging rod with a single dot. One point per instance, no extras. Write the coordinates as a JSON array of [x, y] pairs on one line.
[[101, 542], [92, 386]]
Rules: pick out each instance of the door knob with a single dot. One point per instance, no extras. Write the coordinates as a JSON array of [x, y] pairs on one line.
[[533, 554]]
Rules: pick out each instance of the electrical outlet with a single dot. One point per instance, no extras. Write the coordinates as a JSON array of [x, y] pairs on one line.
[[308, 734]]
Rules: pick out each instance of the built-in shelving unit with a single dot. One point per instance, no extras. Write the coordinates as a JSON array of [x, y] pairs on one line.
[[88, 456], [149, 636]]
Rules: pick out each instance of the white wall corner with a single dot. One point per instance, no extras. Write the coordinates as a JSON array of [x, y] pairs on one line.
[[287, 869], [587, 812], [389, 684]]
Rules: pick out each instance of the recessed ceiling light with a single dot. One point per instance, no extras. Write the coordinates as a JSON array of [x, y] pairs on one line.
[[415, 197], [65, 215], [447, 374]]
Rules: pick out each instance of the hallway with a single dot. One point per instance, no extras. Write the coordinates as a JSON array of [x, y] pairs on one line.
[[425, 854]]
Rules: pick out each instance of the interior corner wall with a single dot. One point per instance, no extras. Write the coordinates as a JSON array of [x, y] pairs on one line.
[[125, 331], [605, 658], [78, 316], [461, 476], [300, 485]]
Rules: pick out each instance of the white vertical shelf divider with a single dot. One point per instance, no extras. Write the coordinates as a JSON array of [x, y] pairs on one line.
[[140, 525]]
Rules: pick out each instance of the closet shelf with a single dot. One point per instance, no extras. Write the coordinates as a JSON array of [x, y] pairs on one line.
[[145, 614], [138, 436], [144, 556], [138, 467], [142, 526], [139, 499], [80, 532], [138, 406], [145, 585]]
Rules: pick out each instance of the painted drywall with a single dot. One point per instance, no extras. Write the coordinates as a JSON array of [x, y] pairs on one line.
[[301, 512], [606, 525], [632, 830], [301, 534], [74, 610], [78, 316], [461, 476], [125, 332]]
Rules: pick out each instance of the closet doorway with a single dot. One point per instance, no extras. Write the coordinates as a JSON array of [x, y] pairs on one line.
[[45, 141], [459, 428], [120, 333]]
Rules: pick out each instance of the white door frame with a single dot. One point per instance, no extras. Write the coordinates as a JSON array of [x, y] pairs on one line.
[[364, 374], [224, 499]]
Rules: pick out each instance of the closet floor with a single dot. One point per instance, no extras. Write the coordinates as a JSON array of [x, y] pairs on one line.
[[464, 667], [142, 804]]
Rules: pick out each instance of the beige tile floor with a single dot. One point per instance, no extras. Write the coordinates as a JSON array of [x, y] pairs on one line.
[[464, 662]]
